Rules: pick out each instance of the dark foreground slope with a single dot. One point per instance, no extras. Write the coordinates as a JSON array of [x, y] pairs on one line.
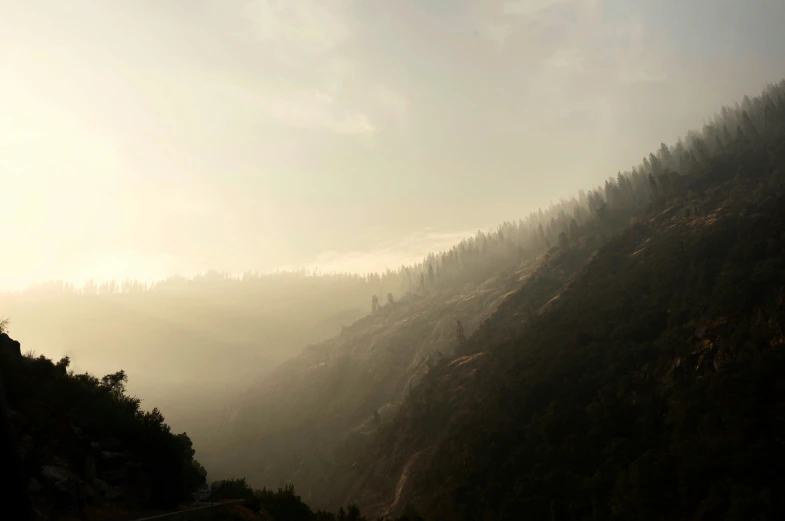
[[189, 343], [652, 386], [86, 449]]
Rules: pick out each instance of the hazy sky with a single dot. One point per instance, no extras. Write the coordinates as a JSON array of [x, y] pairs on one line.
[[147, 137]]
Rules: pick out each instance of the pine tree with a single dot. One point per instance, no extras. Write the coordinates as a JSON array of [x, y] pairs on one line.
[[740, 134], [460, 335], [573, 231], [726, 137], [564, 242], [749, 126], [665, 155]]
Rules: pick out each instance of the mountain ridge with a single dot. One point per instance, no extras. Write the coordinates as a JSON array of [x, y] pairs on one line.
[[689, 223]]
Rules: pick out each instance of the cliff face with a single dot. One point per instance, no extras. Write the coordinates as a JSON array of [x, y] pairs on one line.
[[9, 346]]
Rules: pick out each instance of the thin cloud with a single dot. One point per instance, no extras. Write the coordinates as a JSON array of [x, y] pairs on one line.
[[569, 59], [297, 31], [496, 33], [639, 75], [308, 35], [527, 8], [318, 111], [641, 57], [408, 250], [530, 7]]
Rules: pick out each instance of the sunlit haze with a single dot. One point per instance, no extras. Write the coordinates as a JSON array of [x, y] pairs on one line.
[[412, 260], [142, 139]]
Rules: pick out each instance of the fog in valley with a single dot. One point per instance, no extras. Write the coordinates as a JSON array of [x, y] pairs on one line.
[[278, 217]]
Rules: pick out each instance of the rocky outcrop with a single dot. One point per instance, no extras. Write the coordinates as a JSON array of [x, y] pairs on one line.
[[106, 491], [69, 489], [90, 472], [9, 345]]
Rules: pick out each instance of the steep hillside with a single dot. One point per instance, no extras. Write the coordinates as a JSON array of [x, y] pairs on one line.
[[628, 369], [651, 386], [341, 384], [308, 421]]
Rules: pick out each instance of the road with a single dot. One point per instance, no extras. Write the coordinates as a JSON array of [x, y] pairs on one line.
[[184, 515]]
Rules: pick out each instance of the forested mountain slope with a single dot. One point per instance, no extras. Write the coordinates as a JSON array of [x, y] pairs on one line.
[[625, 365], [652, 386], [617, 356], [285, 428]]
